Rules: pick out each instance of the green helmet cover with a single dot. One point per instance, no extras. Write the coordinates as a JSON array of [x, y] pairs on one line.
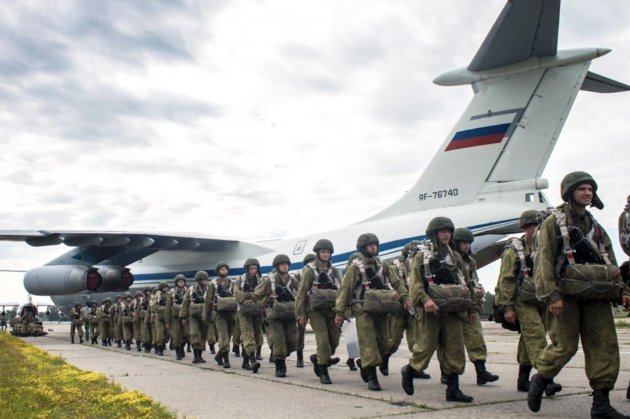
[[309, 258], [323, 244], [251, 261], [278, 259], [527, 218], [221, 265], [463, 234], [437, 224], [574, 179], [365, 239]]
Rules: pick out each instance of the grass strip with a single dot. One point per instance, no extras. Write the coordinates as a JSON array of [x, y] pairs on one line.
[[35, 384]]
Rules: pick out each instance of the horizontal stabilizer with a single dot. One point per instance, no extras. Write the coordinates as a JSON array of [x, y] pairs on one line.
[[600, 84], [524, 29]]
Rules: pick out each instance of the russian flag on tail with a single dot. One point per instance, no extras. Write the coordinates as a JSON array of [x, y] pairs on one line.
[[478, 136]]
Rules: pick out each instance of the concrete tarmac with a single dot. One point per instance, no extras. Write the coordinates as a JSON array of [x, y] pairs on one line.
[[209, 391]]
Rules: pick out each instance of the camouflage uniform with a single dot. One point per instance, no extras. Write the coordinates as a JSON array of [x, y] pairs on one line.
[[93, 320], [105, 320], [589, 320], [224, 321], [192, 310], [145, 324], [321, 275], [371, 327], [137, 319], [126, 319], [157, 308], [117, 320], [76, 316], [174, 301], [251, 326], [438, 328], [302, 329]]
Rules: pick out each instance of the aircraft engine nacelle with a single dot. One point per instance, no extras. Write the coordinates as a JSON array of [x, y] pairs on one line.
[[62, 279], [115, 278]]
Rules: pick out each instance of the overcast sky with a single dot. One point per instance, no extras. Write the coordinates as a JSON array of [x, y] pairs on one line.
[[257, 119]]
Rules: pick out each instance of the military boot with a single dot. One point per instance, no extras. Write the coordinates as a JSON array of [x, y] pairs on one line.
[[246, 365], [483, 376], [552, 388], [372, 382], [94, 341], [226, 359], [147, 348], [316, 369], [80, 339], [384, 367], [236, 350], [219, 358], [196, 356], [421, 375], [119, 342], [333, 361], [324, 378], [443, 376], [407, 373], [187, 346], [104, 342], [138, 346], [72, 339], [258, 352], [601, 406], [362, 371], [200, 351], [161, 350], [156, 349], [128, 344], [537, 386], [272, 359], [522, 382], [279, 371], [353, 367], [300, 359], [212, 350], [255, 364], [453, 393], [178, 353], [182, 352]]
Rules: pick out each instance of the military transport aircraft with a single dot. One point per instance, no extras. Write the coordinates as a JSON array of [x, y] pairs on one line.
[[485, 173]]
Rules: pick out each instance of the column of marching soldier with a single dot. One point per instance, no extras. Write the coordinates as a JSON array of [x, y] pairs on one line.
[[431, 294]]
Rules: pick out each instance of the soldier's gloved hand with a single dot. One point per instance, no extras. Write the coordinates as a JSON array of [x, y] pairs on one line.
[[510, 317], [431, 307]]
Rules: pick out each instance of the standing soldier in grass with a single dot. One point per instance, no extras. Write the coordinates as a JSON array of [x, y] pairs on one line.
[[316, 298], [174, 301], [221, 306], [367, 275], [191, 312], [249, 313], [76, 317]]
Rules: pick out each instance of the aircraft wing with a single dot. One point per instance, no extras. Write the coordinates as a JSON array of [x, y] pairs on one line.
[[124, 240]]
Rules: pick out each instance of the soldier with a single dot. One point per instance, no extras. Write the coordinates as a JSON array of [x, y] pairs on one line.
[[145, 325], [367, 275], [93, 319], [174, 301], [158, 316], [86, 322], [3, 320], [319, 274], [435, 269], [249, 313], [236, 338], [190, 313], [516, 298], [570, 246], [221, 305], [624, 241], [277, 292], [402, 321], [137, 319], [105, 319], [473, 332], [117, 320], [310, 257], [77, 322], [126, 319]]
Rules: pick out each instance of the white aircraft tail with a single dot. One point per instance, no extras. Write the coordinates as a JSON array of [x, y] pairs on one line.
[[523, 92]]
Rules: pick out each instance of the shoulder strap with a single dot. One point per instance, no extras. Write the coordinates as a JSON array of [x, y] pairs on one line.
[[401, 269], [561, 221], [517, 245], [598, 246]]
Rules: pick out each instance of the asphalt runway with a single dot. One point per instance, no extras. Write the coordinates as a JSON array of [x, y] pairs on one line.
[[210, 391]]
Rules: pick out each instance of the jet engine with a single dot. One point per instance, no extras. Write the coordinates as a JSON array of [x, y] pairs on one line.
[[62, 279], [115, 278]]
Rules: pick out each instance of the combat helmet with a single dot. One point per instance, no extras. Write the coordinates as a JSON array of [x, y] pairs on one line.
[[95, 303], [251, 261], [179, 277], [365, 239], [437, 224], [201, 275], [139, 294], [574, 179], [310, 257], [78, 304], [128, 295], [354, 256], [406, 250], [278, 259], [527, 218], [323, 244], [163, 284], [463, 234], [221, 265], [106, 300]]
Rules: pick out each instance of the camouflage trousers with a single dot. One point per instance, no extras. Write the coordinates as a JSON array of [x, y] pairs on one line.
[[137, 331], [159, 329], [212, 332], [398, 324], [198, 333], [282, 337], [105, 329], [326, 335], [251, 332], [444, 331], [73, 328], [176, 331], [146, 333], [86, 327], [373, 337], [94, 330], [118, 332], [473, 340], [224, 322], [236, 336], [593, 323], [301, 332], [127, 332], [532, 319]]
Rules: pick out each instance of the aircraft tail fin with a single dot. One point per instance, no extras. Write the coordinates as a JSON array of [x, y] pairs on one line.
[[523, 92]]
